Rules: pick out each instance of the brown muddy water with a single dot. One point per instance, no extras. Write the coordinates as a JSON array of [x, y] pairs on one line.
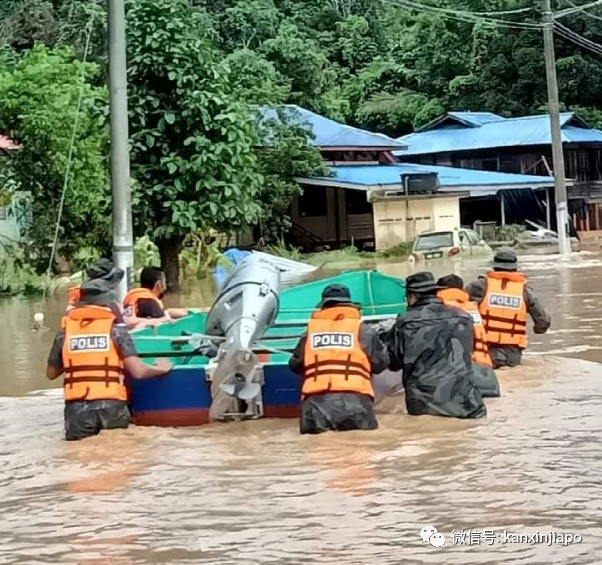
[[259, 493]]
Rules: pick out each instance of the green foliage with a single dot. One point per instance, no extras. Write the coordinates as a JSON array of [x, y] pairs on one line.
[[38, 102], [400, 250], [200, 253], [286, 155], [146, 253], [84, 257], [280, 249], [17, 277], [192, 144]]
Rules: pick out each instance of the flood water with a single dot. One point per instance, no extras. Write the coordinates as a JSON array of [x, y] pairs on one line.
[[259, 493]]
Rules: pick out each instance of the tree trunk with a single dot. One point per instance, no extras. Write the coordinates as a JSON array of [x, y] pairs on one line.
[[169, 250]]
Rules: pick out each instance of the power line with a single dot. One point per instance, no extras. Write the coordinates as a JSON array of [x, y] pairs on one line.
[[585, 12], [577, 39], [575, 9], [469, 17]]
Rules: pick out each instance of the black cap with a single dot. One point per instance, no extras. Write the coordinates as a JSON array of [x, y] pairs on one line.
[[505, 259], [422, 283], [105, 269], [97, 291], [450, 281], [335, 293]]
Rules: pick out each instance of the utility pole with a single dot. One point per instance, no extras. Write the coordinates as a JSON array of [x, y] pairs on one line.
[[123, 239], [557, 151]]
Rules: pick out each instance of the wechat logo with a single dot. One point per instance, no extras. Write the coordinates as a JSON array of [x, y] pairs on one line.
[[430, 534]]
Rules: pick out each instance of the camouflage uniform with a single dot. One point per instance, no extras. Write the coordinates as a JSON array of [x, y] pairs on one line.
[[510, 355], [432, 344], [485, 380]]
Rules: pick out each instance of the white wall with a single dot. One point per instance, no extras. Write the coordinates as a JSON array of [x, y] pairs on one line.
[[401, 220]]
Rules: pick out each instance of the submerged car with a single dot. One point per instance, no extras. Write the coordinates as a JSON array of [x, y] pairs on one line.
[[444, 244]]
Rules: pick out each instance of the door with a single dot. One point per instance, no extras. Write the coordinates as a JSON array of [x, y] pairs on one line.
[[465, 247], [477, 245]]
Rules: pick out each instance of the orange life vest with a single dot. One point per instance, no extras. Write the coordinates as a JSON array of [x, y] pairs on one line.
[[503, 309], [130, 302], [457, 298], [93, 368], [74, 295], [333, 358]]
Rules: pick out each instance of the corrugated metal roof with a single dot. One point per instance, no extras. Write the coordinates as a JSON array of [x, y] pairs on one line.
[[439, 137], [330, 134], [477, 183], [476, 118]]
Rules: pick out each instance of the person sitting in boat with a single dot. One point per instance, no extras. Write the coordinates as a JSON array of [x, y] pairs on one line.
[[432, 344], [95, 353], [102, 269], [452, 294], [143, 306], [505, 299], [337, 358]]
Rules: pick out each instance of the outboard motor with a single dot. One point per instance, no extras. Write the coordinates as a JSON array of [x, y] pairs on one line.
[[245, 308]]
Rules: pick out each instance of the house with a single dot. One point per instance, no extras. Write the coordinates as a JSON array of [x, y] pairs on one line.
[[354, 205], [399, 201], [489, 142]]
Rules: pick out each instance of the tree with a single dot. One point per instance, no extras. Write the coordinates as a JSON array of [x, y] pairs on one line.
[[285, 154], [193, 143], [38, 102]]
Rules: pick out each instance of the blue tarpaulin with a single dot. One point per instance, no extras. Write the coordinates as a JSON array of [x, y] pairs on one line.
[[221, 272]]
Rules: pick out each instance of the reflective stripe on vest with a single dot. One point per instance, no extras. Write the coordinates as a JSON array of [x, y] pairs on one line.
[[333, 358], [93, 368], [503, 309], [459, 299], [132, 298]]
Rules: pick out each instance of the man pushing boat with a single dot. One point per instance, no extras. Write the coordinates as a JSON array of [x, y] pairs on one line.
[[337, 358], [95, 354], [432, 344]]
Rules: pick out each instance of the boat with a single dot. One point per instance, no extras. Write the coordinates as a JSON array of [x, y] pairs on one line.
[[183, 396]]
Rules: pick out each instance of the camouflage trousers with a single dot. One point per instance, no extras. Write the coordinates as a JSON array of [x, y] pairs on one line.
[[85, 418]]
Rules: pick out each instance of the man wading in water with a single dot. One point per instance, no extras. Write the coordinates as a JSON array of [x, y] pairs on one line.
[[432, 344], [504, 300], [95, 353], [337, 358]]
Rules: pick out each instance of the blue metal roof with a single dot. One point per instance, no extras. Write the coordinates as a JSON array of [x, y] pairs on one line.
[[331, 134], [449, 134], [477, 183]]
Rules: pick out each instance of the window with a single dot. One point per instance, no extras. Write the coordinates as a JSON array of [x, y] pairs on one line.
[[357, 202], [313, 202], [434, 240], [473, 237], [3, 212]]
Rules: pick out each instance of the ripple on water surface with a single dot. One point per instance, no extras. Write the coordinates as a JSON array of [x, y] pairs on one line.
[[259, 493]]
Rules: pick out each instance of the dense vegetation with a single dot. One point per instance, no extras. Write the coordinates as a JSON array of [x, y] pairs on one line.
[[198, 68]]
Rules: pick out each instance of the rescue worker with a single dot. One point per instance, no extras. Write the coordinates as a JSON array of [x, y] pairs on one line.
[[452, 294], [432, 344], [95, 354], [505, 299], [143, 306], [103, 269], [337, 358]]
